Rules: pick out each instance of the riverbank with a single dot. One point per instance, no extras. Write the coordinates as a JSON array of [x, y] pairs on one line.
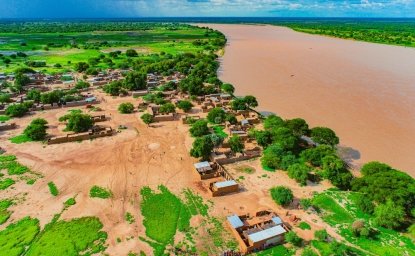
[[364, 91]]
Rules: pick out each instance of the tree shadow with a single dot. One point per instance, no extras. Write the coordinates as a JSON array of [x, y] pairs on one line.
[[348, 154]]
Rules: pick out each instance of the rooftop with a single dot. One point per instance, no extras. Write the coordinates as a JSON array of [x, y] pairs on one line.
[[235, 221], [267, 234], [227, 183]]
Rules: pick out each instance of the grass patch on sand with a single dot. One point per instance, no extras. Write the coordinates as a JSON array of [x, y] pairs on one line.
[[129, 218], [15, 238], [279, 250], [81, 236], [4, 118], [304, 225], [20, 139], [53, 189], [4, 213], [100, 192], [5, 183], [71, 201], [246, 169], [339, 210]]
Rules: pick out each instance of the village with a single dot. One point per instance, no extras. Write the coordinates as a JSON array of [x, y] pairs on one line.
[[261, 230]]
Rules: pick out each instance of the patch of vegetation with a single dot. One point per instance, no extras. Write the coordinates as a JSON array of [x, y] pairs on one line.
[[100, 192], [4, 118], [282, 195], [4, 213], [20, 139], [15, 238], [218, 130], [304, 225], [246, 169], [278, 250], [5, 183], [74, 237], [71, 201], [129, 218], [53, 189]]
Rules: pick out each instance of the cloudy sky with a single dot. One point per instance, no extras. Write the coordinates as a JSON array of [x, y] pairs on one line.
[[193, 8]]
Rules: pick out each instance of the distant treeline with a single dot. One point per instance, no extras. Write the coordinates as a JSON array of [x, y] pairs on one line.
[[385, 32], [82, 26]]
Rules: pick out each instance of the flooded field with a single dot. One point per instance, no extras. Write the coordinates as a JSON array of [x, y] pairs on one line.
[[364, 91]]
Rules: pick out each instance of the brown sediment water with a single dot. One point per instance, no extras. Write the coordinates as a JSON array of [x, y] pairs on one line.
[[363, 91]]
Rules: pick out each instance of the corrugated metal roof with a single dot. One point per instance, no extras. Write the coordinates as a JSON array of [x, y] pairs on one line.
[[227, 183], [202, 165], [277, 220], [267, 234], [235, 221]]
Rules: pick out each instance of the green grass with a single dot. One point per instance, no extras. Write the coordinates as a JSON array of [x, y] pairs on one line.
[[53, 189], [5, 183], [129, 218], [165, 214], [304, 225], [13, 168], [17, 236], [276, 251], [4, 213], [20, 139], [4, 118], [100, 192], [71, 201], [74, 237], [339, 210]]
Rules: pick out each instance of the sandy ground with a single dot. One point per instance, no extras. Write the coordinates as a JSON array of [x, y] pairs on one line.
[[364, 91], [136, 157]]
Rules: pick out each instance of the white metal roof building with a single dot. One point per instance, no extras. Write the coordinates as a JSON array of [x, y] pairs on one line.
[[235, 221], [223, 184], [267, 234]]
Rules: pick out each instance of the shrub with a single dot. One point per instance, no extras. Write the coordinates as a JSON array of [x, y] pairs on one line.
[[292, 238], [16, 110], [129, 217], [321, 235], [131, 53], [82, 85], [299, 172], [69, 202], [147, 118], [36, 130], [100, 192], [304, 225], [305, 203], [365, 204], [282, 195], [389, 215], [126, 108], [167, 108], [78, 122], [53, 189]]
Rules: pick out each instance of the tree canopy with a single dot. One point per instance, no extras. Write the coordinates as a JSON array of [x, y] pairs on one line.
[[324, 135], [282, 195], [202, 147], [199, 128]]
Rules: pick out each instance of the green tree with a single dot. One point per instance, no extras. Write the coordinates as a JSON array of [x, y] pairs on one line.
[[4, 98], [389, 215], [321, 235], [309, 252], [78, 122], [216, 115], [131, 53], [251, 101], [202, 147], [285, 138], [324, 135], [272, 156], [238, 104], [365, 204], [126, 108], [374, 167], [21, 81], [81, 66], [82, 85], [216, 140], [199, 128], [236, 144], [16, 110], [135, 81], [282, 195], [167, 108], [299, 172], [231, 118], [298, 126], [273, 121], [36, 130], [228, 88], [185, 105], [315, 155], [264, 138], [34, 94], [147, 118], [113, 88]]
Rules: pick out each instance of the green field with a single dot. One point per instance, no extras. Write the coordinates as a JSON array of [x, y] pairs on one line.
[[339, 210], [60, 50]]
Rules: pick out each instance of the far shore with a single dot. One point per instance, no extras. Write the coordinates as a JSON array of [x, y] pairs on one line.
[[363, 91]]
